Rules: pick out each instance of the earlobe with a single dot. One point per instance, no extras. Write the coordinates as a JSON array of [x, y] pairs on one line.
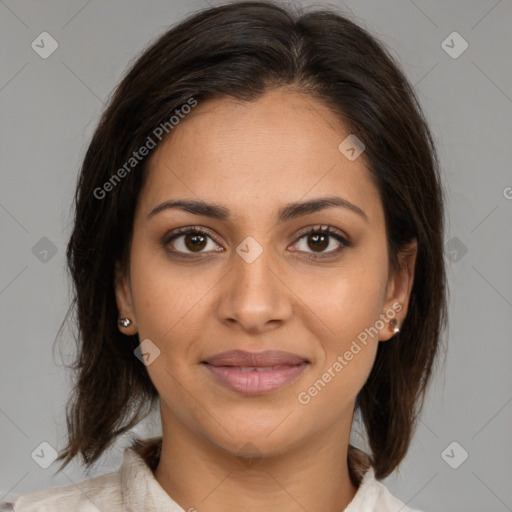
[[395, 325], [391, 326], [399, 290], [126, 321]]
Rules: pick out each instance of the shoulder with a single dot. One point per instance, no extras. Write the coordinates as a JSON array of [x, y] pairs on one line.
[[100, 493], [374, 496], [131, 486], [387, 502]]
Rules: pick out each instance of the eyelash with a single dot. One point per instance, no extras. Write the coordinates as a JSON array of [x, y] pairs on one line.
[[326, 231]]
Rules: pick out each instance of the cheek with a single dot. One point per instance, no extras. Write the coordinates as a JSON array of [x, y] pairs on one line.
[[333, 391], [346, 301], [167, 297], [345, 324], [170, 308], [349, 347]]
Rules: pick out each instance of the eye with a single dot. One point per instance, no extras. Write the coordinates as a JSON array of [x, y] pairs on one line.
[[320, 239], [189, 240], [184, 242]]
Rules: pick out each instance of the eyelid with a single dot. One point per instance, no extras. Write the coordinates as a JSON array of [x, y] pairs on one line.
[[325, 229], [186, 229]]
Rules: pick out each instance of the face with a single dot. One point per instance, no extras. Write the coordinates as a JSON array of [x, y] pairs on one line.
[[250, 275]]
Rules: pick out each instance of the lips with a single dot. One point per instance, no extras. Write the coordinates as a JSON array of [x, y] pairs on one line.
[[255, 373], [264, 359]]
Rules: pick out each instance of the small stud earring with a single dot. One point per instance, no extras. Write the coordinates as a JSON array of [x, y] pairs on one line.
[[394, 324], [125, 322]]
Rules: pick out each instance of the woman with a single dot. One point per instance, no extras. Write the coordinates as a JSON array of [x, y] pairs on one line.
[[257, 249]]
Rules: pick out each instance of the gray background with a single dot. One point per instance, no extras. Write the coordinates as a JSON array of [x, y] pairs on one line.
[[49, 108]]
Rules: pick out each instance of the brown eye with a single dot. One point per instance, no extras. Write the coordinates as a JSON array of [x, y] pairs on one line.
[[195, 242], [315, 243], [318, 242], [191, 241], [187, 241]]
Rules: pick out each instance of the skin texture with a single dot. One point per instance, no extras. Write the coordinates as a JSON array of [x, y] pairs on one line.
[[254, 158]]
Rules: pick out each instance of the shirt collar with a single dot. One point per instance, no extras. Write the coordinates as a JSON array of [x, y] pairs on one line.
[[140, 490]]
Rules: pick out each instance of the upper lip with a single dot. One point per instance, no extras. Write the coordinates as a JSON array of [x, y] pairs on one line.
[[254, 359]]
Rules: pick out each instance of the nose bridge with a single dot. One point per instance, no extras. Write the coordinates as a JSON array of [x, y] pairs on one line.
[[252, 264], [255, 294]]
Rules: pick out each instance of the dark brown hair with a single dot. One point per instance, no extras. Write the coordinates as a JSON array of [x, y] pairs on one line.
[[242, 50]]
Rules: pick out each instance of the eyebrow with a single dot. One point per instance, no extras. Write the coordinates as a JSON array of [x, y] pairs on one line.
[[290, 211]]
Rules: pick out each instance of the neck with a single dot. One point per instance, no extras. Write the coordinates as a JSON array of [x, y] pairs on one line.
[[199, 475]]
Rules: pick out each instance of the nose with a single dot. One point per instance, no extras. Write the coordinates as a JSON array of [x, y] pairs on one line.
[[254, 296]]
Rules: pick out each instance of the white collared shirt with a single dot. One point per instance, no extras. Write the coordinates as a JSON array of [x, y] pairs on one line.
[[133, 488]]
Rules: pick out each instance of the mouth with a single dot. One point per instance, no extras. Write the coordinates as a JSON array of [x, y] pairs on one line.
[[255, 373]]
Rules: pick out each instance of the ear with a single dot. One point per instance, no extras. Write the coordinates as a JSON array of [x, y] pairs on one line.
[[399, 289], [124, 301]]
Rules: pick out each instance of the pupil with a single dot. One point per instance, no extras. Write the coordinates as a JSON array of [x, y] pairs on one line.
[[194, 241], [322, 245]]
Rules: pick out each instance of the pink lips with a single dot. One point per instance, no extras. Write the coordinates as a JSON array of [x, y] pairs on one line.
[[255, 373]]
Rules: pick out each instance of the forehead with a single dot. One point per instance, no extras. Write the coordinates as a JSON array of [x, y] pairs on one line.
[[280, 148]]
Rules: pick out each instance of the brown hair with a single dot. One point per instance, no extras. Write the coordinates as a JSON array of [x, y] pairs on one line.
[[241, 50]]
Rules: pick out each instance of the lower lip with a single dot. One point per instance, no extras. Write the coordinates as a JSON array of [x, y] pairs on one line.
[[255, 382]]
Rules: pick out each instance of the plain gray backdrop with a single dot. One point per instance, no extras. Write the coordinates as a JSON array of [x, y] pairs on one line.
[[460, 458]]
